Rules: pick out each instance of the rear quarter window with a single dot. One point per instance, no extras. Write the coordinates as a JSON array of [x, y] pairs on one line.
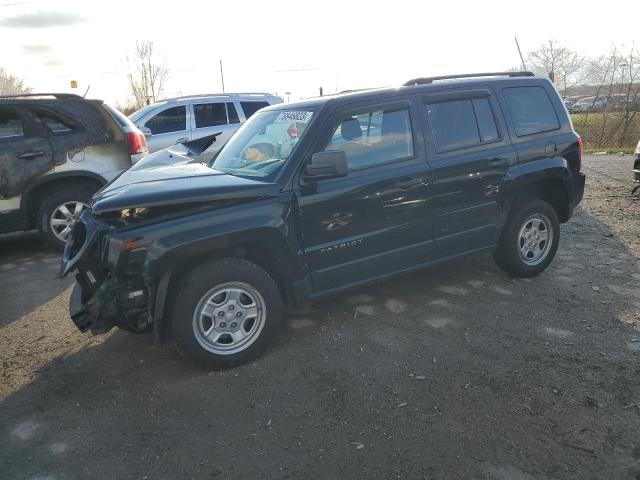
[[249, 108], [531, 110]]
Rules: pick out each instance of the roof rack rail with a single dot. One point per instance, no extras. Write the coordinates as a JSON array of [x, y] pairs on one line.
[[227, 95], [426, 80], [54, 95]]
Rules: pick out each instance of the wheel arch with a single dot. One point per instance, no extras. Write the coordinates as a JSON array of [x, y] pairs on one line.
[[266, 247], [32, 197], [548, 180]]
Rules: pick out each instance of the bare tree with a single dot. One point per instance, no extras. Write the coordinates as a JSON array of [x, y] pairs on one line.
[[10, 84], [147, 75], [562, 64]]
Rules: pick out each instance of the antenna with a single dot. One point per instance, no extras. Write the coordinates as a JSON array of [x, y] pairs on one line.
[[524, 67]]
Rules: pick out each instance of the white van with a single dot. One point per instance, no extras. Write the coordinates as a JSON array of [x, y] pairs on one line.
[[181, 119]]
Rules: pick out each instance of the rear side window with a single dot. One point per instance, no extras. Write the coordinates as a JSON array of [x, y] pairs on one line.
[[460, 124], [531, 110], [210, 114], [11, 125], [486, 120], [249, 108], [53, 122], [172, 119], [233, 113]]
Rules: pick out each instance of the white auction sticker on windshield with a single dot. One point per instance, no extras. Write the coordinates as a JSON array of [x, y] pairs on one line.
[[294, 116]]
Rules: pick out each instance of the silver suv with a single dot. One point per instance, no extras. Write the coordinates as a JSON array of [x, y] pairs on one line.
[[56, 151], [181, 119]]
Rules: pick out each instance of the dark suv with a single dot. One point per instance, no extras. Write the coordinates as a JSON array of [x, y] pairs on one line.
[[309, 199], [56, 151]]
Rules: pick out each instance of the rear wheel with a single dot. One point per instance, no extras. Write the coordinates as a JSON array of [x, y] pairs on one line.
[[59, 212], [225, 313], [529, 240]]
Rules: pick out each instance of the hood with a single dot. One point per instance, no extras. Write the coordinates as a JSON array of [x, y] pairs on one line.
[[185, 152], [176, 184]]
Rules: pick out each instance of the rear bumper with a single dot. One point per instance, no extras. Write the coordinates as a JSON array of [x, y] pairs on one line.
[[578, 182]]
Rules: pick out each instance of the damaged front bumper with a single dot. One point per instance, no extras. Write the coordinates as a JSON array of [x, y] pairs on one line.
[[103, 296]]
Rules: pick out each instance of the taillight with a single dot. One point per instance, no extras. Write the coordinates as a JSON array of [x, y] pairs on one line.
[[137, 143], [579, 153]]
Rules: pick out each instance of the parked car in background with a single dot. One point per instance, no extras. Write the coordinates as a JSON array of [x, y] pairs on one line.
[[312, 198], [589, 104], [56, 151], [620, 102], [569, 101], [181, 119]]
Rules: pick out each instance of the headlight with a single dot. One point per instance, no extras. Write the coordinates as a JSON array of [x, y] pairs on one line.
[[129, 214]]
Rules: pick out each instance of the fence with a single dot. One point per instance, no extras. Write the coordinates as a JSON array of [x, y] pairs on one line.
[[608, 131], [607, 122]]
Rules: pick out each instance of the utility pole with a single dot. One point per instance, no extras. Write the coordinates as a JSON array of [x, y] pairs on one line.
[[222, 76], [320, 91], [524, 67]]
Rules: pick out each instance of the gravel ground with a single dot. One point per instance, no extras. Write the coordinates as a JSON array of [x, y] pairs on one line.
[[456, 372]]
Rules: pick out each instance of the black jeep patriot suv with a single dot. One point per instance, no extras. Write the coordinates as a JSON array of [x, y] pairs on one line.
[[311, 198]]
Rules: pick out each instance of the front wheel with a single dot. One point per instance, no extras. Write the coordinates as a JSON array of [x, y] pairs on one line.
[[529, 240], [225, 313], [59, 212]]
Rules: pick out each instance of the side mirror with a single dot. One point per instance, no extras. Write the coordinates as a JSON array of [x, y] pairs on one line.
[[146, 131], [329, 164]]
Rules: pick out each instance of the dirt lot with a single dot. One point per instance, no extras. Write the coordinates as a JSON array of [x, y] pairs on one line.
[[454, 373]]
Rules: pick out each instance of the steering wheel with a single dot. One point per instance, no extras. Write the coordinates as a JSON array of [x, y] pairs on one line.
[[261, 165]]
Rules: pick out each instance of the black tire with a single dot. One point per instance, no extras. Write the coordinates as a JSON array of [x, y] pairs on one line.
[[51, 203], [507, 254], [196, 285]]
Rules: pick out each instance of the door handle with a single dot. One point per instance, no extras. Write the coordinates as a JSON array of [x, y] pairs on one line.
[[182, 140], [32, 154], [409, 182], [497, 162]]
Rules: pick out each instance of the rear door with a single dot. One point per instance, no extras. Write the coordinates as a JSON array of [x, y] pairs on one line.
[[25, 154], [376, 220], [168, 127], [469, 152], [214, 117]]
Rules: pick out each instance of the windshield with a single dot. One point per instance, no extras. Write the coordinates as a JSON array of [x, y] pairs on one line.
[[263, 144]]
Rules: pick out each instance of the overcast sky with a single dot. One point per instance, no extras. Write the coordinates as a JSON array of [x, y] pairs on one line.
[[280, 46]]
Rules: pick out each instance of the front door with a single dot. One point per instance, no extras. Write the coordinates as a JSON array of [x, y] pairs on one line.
[[214, 117], [168, 127], [469, 152], [376, 220], [23, 156]]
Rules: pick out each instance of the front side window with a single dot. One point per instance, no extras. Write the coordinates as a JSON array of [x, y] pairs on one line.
[[210, 114], [172, 119], [11, 125], [373, 138], [531, 110], [263, 144]]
